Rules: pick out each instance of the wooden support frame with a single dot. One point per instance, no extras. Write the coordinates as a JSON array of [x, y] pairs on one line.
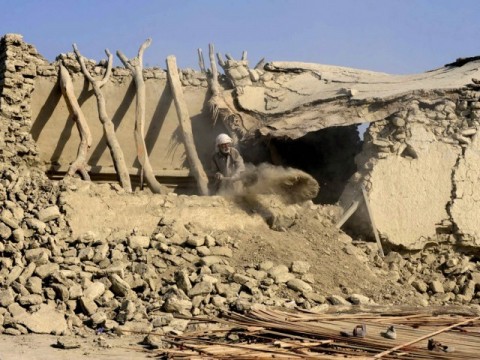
[[351, 210], [186, 126]]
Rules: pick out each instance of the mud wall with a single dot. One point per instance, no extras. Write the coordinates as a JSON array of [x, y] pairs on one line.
[[31, 94], [419, 167]]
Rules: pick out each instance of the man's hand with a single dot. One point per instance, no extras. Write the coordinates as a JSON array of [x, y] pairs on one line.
[[218, 176]]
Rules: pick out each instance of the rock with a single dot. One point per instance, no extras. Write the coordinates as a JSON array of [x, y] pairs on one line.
[[5, 231], [119, 287], [39, 256], [48, 214], [221, 251], [137, 241], [437, 287], [300, 267], [265, 266], [176, 304], [6, 297], [46, 320], [202, 288], [88, 306], [14, 274], [357, 299], [182, 280], [195, 241], [34, 285], [37, 225], [420, 286], [312, 296], [95, 290], [299, 285], [98, 318], [283, 278], [134, 327], [337, 300], [46, 270], [277, 270], [210, 260], [28, 300]]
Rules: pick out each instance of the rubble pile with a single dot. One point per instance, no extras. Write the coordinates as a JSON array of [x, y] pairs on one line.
[[439, 275], [130, 282]]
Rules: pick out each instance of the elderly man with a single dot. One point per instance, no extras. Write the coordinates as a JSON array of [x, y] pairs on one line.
[[227, 163]]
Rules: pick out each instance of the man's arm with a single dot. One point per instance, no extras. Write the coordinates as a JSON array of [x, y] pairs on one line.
[[238, 164]]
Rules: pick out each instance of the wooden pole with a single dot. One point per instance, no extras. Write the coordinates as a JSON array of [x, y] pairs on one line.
[[80, 163], [347, 214], [108, 127], [136, 67], [372, 221], [186, 126]]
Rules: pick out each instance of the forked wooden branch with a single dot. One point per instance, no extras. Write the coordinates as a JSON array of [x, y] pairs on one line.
[[80, 163], [135, 65], [186, 126], [112, 141]]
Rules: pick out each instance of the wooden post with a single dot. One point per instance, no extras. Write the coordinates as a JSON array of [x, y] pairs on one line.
[[186, 126], [372, 221], [108, 127], [346, 215], [80, 163], [135, 65]]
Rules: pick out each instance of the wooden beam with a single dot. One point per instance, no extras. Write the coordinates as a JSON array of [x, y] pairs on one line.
[[372, 221], [186, 126]]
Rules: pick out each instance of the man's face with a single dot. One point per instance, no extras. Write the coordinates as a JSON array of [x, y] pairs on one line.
[[224, 148]]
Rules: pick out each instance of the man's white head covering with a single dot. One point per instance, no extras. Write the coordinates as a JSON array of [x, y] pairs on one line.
[[223, 139]]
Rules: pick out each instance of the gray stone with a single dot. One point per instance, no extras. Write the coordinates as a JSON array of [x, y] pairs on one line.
[[14, 274], [39, 256], [5, 231], [6, 297], [195, 241], [61, 292], [88, 306], [37, 225], [299, 285], [337, 300], [46, 320], [221, 251], [300, 267], [119, 286], [28, 300], [182, 280], [266, 265], [48, 214], [75, 292], [357, 299], [437, 287], [95, 290], [420, 286], [46, 270], [202, 288], [34, 285], [277, 270], [138, 241], [283, 277], [210, 260], [98, 318], [19, 235]]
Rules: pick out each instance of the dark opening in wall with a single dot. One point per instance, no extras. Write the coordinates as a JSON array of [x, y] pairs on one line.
[[328, 155]]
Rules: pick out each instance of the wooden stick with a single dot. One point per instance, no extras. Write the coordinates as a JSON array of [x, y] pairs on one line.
[[80, 163], [186, 126], [108, 127], [136, 67], [372, 221], [347, 214], [201, 61], [378, 356]]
